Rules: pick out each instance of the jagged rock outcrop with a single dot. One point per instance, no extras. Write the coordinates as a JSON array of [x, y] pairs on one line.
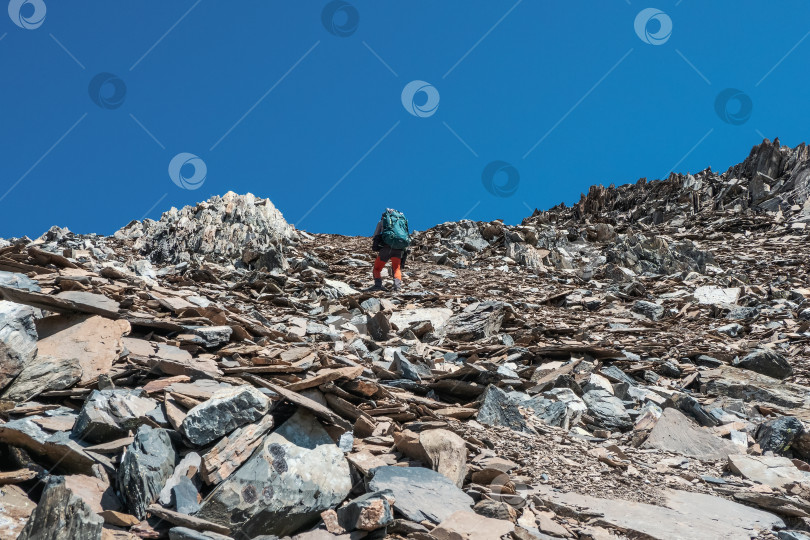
[[223, 229]]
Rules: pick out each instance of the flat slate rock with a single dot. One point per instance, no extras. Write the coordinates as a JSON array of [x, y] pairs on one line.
[[57, 448], [751, 386], [93, 340], [471, 526], [44, 373], [774, 471], [184, 533], [64, 302], [420, 494], [674, 432], [17, 281], [607, 410], [684, 516], [500, 409]]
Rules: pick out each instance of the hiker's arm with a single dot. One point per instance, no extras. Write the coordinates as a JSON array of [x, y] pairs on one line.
[[376, 240]]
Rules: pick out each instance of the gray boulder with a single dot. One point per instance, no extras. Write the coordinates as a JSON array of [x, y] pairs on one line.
[[225, 411], [652, 311], [295, 474], [185, 496], [111, 413], [147, 464], [61, 515], [378, 326], [607, 410], [766, 362], [499, 409], [211, 336], [420, 494], [18, 340], [778, 435], [478, 321]]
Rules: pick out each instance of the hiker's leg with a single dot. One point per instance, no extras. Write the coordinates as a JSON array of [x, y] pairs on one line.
[[396, 266], [378, 266]]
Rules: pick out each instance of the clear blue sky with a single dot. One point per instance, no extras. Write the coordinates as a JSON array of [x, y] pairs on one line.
[[571, 81]]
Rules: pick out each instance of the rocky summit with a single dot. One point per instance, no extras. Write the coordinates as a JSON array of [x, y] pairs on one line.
[[633, 366]]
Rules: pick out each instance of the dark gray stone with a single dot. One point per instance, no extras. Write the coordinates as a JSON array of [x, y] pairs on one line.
[[778, 435], [406, 368], [61, 515], [607, 410], [185, 495], [689, 405], [378, 326], [295, 474], [478, 321], [225, 411], [652, 311], [111, 413], [147, 464], [708, 361], [420, 494], [498, 409], [371, 305], [793, 535], [616, 375], [669, 369], [211, 336], [766, 362], [731, 330], [742, 313]]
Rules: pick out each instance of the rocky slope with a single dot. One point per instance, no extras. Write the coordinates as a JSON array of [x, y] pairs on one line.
[[634, 366]]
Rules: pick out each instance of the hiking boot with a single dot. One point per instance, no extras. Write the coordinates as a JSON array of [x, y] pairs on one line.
[[378, 286], [397, 285]]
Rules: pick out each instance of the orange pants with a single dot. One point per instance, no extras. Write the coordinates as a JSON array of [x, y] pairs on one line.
[[379, 264]]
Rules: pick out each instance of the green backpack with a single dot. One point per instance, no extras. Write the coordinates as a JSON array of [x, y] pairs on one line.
[[395, 229]]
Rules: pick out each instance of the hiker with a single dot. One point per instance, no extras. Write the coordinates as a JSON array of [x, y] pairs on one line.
[[391, 241]]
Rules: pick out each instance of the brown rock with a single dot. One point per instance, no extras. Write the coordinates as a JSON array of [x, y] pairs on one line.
[[469, 526], [93, 340], [233, 450]]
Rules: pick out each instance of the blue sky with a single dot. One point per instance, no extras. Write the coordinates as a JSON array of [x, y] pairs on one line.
[[271, 101]]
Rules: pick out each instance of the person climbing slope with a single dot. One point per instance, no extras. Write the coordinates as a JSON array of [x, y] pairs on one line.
[[391, 240]]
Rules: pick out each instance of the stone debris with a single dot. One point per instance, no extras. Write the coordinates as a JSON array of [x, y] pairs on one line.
[[632, 365]]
